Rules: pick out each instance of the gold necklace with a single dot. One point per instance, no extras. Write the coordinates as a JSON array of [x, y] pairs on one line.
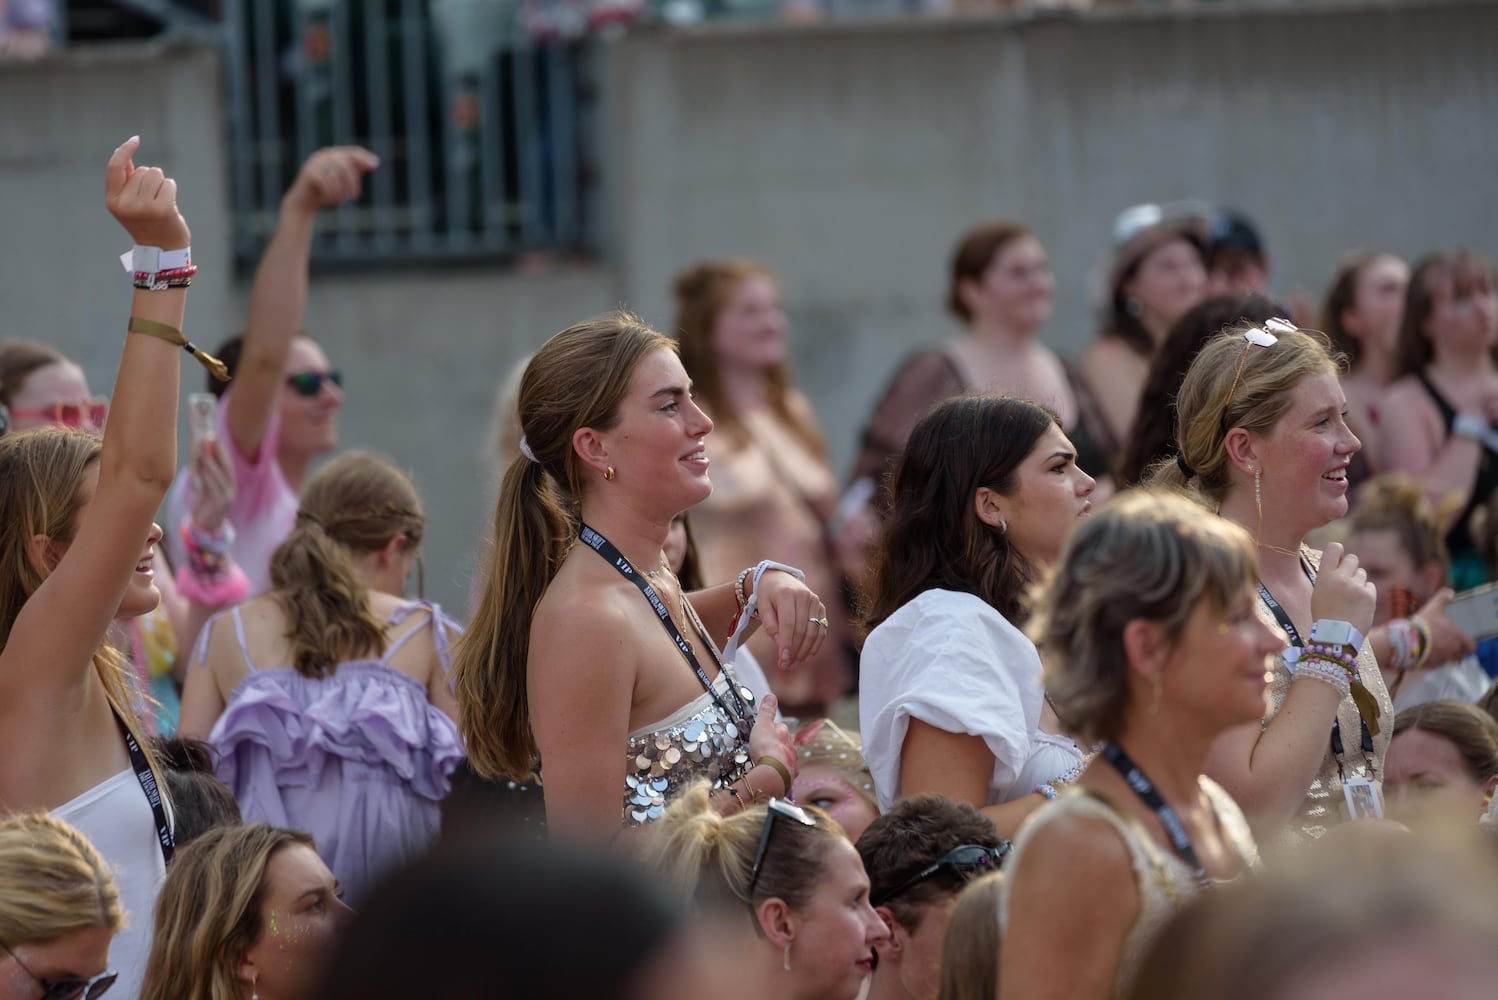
[[1276, 548], [680, 620]]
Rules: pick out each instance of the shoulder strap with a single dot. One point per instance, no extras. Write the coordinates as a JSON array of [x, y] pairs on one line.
[[244, 649], [398, 616]]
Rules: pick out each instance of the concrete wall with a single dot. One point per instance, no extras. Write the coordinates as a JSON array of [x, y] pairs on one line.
[[848, 156], [851, 157]]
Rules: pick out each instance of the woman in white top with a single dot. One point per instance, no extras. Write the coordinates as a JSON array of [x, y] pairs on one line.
[[1153, 648], [951, 699], [76, 541]]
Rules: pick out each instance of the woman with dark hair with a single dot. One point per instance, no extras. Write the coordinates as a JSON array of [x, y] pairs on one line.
[[773, 492], [1442, 411], [1158, 272], [1361, 315], [1154, 650], [1154, 427], [985, 494], [589, 660], [328, 697], [1000, 289]]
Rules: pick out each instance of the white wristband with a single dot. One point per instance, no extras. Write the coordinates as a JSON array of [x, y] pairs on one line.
[[750, 610], [1335, 632], [151, 260]]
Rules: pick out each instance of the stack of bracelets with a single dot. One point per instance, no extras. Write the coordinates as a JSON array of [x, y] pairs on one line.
[[208, 575], [1409, 646], [1332, 664]]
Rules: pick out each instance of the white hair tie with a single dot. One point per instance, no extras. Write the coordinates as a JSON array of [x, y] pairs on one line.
[[525, 449]]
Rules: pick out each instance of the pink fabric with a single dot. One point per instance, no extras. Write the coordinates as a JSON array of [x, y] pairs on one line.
[[263, 510]]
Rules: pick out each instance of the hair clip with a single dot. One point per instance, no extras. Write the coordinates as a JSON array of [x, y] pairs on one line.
[[1280, 326], [1259, 337]]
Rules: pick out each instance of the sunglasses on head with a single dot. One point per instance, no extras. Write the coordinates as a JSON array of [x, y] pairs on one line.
[[775, 807], [309, 384], [965, 861], [90, 414], [71, 988]]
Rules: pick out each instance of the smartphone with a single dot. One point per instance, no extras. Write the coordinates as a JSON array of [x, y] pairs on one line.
[[202, 420], [1475, 611]]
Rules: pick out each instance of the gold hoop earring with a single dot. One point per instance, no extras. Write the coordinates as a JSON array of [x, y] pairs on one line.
[[608, 474]]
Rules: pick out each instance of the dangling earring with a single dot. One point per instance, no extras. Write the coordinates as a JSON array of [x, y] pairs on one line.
[[1133, 307], [254, 993], [1003, 525], [608, 474], [1258, 504], [1155, 702], [787, 963]]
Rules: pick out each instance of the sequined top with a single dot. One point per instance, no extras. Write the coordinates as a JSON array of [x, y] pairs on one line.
[[1324, 805], [701, 740]]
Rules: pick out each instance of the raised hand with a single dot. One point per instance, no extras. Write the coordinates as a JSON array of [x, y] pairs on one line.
[[144, 200], [1447, 642], [1342, 591], [330, 177], [213, 485], [793, 616]]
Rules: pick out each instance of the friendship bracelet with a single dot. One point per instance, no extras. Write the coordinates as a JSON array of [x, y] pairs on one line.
[[1422, 629], [738, 587], [1047, 789], [780, 769], [172, 335], [1336, 654]]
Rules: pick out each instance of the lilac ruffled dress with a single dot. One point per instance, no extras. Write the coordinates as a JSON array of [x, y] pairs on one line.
[[360, 759]]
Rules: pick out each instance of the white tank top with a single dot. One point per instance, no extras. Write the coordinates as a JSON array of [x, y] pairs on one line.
[[117, 820]]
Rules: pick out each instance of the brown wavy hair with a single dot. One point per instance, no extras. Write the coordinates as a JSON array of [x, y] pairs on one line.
[[18, 360], [577, 379], [1341, 296], [208, 914], [355, 504], [702, 292], [933, 538]]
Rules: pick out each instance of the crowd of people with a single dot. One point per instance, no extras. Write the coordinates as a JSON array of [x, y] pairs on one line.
[[1149, 654]]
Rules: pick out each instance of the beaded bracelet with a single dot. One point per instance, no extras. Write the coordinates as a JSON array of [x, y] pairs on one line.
[[1326, 671], [736, 796], [1047, 789], [1336, 654], [738, 587]]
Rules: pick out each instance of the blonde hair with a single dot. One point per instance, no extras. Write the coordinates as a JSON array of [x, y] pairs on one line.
[[577, 379], [970, 952], [823, 743], [1145, 555], [41, 472], [706, 858], [1219, 393], [702, 292], [354, 505], [208, 914], [52, 881]]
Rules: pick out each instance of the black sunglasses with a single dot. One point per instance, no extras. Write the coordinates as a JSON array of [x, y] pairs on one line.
[[965, 860], [775, 807], [309, 384], [71, 988]]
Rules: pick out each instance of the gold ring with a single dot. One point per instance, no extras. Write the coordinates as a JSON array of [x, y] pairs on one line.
[[820, 621]]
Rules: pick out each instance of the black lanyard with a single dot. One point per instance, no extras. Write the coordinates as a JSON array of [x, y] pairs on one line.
[[741, 698], [1338, 750], [1134, 775], [147, 779]]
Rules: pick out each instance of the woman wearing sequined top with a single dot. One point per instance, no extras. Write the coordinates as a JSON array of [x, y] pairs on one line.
[[588, 659], [1262, 432]]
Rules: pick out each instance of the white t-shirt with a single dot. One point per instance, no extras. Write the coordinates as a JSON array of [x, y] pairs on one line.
[[953, 662]]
